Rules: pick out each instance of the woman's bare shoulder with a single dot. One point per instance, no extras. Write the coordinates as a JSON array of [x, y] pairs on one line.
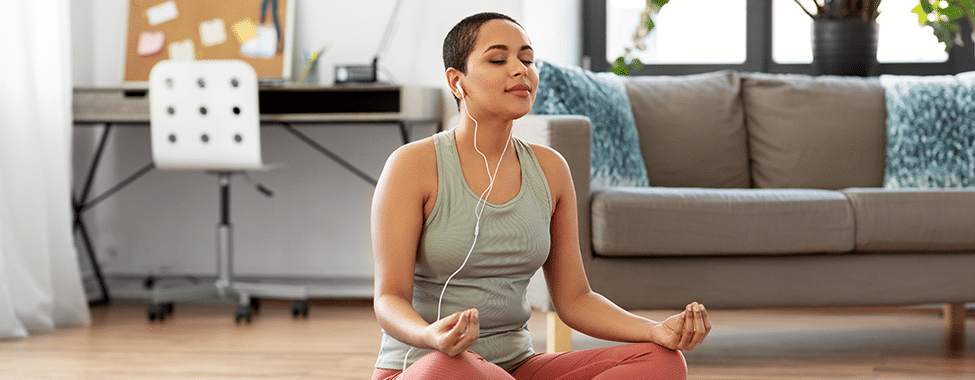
[[413, 162], [550, 160], [556, 170], [415, 154]]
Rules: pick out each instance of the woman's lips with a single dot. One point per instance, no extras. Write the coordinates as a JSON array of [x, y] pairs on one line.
[[519, 90]]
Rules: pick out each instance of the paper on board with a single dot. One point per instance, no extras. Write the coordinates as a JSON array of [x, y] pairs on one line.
[[162, 13], [213, 32]]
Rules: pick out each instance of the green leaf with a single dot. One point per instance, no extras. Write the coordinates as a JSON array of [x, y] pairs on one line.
[[636, 64], [926, 6], [654, 6], [922, 16], [953, 12], [969, 5], [952, 27], [619, 67]]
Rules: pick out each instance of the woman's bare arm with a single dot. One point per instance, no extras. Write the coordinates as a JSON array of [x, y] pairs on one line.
[[408, 182], [576, 303]]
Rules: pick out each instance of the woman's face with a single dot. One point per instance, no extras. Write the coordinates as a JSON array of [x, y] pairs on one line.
[[501, 75]]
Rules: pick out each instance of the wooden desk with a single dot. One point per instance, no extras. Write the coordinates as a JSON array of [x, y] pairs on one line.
[[284, 106], [288, 104]]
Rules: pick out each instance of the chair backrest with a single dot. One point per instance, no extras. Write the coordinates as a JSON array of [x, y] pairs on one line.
[[204, 115]]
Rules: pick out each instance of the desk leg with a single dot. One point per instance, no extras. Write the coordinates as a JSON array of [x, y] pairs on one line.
[[82, 204], [79, 222], [94, 165], [404, 132], [79, 226]]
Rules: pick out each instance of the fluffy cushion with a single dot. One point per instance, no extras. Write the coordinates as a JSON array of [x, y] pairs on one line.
[[692, 129], [930, 131], [616, 159], [814, 132]]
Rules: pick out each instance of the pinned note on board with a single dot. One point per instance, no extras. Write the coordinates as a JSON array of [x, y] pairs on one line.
[[245, 30], [162, 13], [182, 50], [151, 42], [213, 32], [263, 46]]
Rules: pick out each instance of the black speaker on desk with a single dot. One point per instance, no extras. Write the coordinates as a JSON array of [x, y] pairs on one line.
[[356, 73]]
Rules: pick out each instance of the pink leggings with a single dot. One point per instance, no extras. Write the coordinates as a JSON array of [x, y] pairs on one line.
[[629, 361]]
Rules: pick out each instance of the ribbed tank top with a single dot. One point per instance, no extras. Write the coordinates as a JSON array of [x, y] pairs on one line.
[[512, 244]]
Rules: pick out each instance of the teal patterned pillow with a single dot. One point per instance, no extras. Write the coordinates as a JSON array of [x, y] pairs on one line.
[[616, 158], [930, 131]]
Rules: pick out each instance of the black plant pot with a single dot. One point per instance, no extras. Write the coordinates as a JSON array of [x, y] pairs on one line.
[[845, 47]]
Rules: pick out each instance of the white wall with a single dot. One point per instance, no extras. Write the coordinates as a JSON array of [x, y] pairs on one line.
[[317, 225]]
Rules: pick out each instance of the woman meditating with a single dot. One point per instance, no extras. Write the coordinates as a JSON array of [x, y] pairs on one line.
[[460, 222]]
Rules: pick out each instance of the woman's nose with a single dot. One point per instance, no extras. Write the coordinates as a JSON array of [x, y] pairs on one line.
[[520, 69]]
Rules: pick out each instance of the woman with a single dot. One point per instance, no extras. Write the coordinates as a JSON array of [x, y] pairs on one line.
[[461, 221]]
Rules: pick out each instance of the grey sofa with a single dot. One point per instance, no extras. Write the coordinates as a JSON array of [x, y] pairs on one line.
[[766, 191]]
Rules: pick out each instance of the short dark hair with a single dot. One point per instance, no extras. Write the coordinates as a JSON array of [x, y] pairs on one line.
[[459, 43]]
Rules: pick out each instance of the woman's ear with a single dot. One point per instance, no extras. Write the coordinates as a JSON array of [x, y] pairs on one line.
[[453, 80]]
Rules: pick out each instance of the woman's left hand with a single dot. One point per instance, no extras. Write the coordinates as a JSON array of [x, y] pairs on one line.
[[684, 331]]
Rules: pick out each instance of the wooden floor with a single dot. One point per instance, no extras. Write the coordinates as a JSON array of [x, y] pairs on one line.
[[340, 340]]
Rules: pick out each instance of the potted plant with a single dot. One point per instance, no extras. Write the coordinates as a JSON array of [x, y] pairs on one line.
[[943, 16], [845, 34]]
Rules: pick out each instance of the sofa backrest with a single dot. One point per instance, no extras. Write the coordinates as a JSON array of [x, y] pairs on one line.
[[692, 129], [824, 132], [737, 130]]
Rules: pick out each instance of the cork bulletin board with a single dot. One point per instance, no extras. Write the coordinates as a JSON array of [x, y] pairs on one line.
[[210, 29]]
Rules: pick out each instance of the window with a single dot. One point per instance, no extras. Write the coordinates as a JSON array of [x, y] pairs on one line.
[[717, 35], [693, 36], [901, 38]]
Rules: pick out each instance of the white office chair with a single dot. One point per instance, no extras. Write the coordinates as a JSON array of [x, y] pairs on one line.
[[204, 116]]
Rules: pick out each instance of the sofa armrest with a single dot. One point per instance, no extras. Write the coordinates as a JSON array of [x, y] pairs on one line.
[[570, 135]]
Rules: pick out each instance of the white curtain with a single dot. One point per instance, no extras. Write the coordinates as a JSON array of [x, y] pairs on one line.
[[40, 281]]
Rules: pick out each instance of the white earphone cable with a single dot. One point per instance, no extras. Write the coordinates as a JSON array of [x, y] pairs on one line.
[[478, 210]]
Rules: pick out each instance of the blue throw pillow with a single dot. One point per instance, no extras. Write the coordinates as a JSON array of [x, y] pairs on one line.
[[616, 158], [930, 131]]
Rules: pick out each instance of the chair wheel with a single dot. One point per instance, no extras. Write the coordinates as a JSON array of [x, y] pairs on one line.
[[299, 308], [255, 304], [243, 314], [159, 311]]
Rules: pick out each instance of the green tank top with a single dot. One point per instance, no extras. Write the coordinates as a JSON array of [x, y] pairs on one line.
[[512, 244]]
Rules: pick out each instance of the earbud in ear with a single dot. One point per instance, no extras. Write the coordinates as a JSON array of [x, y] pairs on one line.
[[461, 90]]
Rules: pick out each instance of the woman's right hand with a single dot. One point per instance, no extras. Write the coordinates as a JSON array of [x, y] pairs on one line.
[[455, 333]]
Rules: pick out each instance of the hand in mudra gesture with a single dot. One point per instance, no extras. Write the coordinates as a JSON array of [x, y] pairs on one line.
[[684, 331], [455, 333]]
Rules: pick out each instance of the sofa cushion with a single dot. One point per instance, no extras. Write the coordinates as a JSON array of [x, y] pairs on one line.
[[692, 129], [914, 220], [930, 139], [570, 90], [815, 132], [694, 221]]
